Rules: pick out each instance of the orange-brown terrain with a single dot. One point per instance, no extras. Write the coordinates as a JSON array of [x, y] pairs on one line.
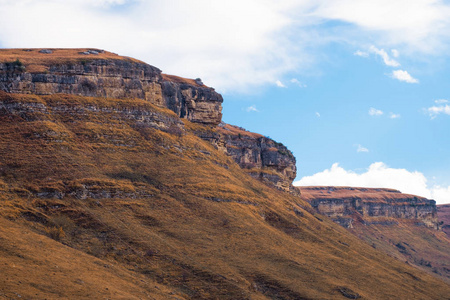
[[407, 227], [443, 212], [119, 198]]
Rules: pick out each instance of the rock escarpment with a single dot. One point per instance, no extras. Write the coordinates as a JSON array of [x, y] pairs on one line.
[[371, 206], [96, 73], [264, 158], [443, 212]]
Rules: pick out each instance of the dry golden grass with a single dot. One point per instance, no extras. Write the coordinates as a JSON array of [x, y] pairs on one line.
[[36, 62], [178, 79], [179, 215], [237, 131]]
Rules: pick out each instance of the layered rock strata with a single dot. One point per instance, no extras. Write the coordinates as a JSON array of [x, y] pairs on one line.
[[371, 206], [97, 73], [70, 71], [443, 212], [262, 157]]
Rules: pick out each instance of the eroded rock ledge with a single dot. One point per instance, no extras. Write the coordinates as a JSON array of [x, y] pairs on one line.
[[98, 73], [346, 205], [262, 157], [104, 74]]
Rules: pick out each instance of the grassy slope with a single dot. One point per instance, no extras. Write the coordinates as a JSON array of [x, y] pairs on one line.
[[184, 216], [426, 248]]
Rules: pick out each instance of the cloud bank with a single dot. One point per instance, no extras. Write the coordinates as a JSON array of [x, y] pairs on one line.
[[379, 175], [230, 44]]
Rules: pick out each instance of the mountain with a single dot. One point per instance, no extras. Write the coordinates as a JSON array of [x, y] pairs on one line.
[[443, 212], [118, 181], [404, 226]]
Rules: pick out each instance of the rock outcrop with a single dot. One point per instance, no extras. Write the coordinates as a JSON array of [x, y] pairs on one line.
[[370, 205], [443, 212], [97, 73], [262, 157]]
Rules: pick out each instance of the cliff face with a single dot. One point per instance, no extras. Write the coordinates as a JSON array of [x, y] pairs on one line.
[[191, 100], [262, 157], [345, 204], [443, 212], [97, 73], [102, 74]]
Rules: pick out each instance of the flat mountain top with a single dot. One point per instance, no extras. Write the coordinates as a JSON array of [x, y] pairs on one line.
[[38, 59], [367, 194]]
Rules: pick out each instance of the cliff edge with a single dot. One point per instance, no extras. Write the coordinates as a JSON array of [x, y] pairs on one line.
[[345, 205], [98, 73]]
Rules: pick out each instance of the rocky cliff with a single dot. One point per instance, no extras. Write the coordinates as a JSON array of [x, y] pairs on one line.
[[262, 157], [97, 73], [347, 204], [443, 212]]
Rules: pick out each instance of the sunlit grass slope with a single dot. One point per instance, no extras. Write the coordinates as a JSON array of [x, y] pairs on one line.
[[88, 182]]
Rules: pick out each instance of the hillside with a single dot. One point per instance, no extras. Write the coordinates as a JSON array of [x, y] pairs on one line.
[[443, 212], [128, 198], [404, 226]]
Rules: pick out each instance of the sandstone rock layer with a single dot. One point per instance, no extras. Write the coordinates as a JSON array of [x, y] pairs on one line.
[[370, 205], [79, 72]]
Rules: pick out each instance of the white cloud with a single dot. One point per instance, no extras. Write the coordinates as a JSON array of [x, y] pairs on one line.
[[434, 111], [317, 114], [395, 53], [375, 112], [279, 84], [361, 149], [298, 83], [230, 44], [404, 76], [387, 60], [440, 101], [361, 53], [379, 175], [252, 108], [394, 116]]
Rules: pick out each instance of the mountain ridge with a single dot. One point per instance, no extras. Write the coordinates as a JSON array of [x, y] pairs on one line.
[[141, 191]]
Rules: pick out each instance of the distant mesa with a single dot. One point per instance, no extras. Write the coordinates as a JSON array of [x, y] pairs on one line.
[[347, 205]]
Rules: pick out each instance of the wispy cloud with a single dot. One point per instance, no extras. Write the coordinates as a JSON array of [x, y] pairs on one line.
[[317, 114], [361, 149], [379, 175], [434, 111], [279, 84], [395, 53], [298, 83], [386, 59], [252, 108], [361, 53], [394, 116], [403, 75], [375, 112], [441, 101]]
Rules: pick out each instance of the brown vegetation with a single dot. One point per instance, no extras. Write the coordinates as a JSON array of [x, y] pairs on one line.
[[147, 213], [34, 61]]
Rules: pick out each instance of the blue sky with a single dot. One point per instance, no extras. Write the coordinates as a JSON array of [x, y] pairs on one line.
[[357, 90]]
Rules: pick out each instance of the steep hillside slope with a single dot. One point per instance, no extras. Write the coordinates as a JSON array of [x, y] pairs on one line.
[[404, 226], [143, 197], [130, 184], [443, 212]]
